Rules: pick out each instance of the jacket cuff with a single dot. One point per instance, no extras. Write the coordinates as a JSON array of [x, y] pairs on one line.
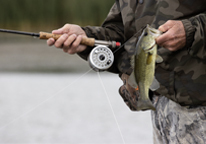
[[88, 31], [190, 32]]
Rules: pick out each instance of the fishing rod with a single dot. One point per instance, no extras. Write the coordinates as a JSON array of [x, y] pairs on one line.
[[100, 58], [85, 41]]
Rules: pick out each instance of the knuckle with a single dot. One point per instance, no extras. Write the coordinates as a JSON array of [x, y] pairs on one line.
[[173, 37], [170, 21], [74, 36], [67, 25]]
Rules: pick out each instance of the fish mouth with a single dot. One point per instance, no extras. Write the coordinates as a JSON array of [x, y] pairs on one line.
[[150, 48], [153, 31]]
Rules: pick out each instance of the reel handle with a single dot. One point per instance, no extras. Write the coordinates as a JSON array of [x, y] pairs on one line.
[[85, 41]]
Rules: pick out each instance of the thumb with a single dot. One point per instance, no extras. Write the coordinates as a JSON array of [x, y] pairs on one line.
[[62, 30], [58, 31]]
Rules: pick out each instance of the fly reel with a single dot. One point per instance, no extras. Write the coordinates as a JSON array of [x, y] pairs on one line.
[[101, 58]]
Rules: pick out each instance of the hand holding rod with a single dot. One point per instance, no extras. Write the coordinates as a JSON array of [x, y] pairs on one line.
[[85, 41]]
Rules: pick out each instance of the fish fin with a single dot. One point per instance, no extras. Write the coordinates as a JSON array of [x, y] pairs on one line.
[[136, 48], [131, 80], [132, 61], [149, 58], [155, 85], [159, 59]]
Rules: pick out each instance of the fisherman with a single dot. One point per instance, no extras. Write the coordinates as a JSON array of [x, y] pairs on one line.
[[180, 102]]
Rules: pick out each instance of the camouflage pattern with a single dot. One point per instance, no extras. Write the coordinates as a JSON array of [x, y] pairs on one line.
[[182, 75], [174, 124]]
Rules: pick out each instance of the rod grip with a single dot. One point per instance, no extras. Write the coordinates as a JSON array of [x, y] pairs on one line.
[[85, 41], [88, 41], [45, 35]]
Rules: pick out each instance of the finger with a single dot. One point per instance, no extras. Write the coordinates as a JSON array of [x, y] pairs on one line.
[[173, 45], [166, 26], [170, 45], [50, 42], [59, 31], [167, 36], [65, 50], [74, 46], [77, 44], [77, 41], [70, 40], [61, 41]]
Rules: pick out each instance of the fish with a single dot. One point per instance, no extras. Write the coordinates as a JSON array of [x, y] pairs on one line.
[[143, 63]]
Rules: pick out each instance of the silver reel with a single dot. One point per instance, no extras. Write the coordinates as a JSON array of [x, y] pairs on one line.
[[101, 58]]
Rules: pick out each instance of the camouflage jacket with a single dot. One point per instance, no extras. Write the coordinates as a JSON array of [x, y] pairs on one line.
[[182, 75]]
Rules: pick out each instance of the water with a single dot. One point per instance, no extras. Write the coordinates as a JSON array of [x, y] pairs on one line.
[[68, 108]]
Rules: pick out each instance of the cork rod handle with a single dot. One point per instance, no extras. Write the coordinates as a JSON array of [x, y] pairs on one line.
[[85, 41]]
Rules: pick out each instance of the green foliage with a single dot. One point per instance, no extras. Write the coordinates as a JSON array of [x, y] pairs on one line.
[[50, 14]]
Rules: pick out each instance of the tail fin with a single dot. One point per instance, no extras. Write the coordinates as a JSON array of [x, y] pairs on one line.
[[145, 105]]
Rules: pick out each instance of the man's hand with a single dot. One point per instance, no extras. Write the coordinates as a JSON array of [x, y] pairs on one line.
[[174, 36], [70, 39]]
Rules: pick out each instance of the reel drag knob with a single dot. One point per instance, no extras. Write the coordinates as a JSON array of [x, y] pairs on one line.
[[101, 58]]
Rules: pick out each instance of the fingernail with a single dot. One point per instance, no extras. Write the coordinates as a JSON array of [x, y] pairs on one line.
[[50, 42]]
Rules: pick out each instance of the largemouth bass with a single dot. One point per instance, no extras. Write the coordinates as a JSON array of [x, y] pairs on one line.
[[143, 63]]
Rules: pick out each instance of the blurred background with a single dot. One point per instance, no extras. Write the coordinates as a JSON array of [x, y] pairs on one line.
[[48, 96], [46, 15]]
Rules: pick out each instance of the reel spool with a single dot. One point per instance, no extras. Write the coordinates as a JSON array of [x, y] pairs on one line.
[[101, 58]]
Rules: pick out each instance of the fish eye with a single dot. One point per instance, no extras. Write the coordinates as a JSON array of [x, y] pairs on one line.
[[146, 34]]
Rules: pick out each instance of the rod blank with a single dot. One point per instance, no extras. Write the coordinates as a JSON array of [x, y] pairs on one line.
[[19, 32]]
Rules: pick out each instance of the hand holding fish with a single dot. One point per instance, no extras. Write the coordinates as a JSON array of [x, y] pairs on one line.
[[174, 36]]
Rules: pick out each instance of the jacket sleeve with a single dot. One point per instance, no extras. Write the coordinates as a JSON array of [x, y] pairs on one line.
[[111, 29], [195, 28]]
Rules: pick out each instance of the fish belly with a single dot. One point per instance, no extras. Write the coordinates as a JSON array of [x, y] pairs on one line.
[[145, 75]]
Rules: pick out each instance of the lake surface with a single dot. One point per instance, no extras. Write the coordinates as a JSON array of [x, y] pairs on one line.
[[83, 108]]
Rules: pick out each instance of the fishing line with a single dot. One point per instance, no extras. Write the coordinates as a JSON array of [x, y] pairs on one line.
[[111, 106], [89, 42], [52, 96], [122, 45]]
